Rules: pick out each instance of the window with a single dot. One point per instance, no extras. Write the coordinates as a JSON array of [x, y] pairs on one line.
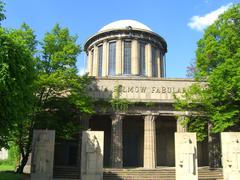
[[100, 57], [112, 58], [142, 59], [127, 57], [154, 62]]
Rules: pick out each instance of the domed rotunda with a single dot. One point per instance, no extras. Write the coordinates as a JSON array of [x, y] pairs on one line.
[[126, 48]]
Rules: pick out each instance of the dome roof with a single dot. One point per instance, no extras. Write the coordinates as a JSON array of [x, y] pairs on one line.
[[124, 24]]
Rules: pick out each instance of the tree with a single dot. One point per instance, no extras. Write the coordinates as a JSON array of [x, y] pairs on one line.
[[215, 100], [59, 91], [2, 16], [17, 74]]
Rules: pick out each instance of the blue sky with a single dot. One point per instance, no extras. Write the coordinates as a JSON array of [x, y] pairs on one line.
[[180, 23]]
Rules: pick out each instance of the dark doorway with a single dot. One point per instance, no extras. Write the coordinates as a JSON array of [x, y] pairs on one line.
[[103, 123], [133, 141], [165, 127], [202, 152]]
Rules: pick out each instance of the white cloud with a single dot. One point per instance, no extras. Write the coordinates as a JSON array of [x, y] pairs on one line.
[[81, 71], [201, 22]]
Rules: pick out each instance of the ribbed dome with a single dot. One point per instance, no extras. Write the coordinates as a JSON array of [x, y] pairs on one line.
[[125, 24]]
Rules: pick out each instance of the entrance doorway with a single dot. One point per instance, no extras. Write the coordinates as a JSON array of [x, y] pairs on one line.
[[133, 141], [165, 129]]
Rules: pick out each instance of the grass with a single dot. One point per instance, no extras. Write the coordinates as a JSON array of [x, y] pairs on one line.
[[10, 176], [7, 167]]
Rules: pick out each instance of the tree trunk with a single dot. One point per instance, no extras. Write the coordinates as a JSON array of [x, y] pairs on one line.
[[23, 162]]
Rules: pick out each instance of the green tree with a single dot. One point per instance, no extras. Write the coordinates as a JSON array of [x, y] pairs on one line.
[[2, 16], [60, 94], [17, 74], [215, 100]]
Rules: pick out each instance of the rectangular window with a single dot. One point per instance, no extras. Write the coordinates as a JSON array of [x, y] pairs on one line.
[[127, 57], [142, 59], [154, 62], [112, 59], [100, 56]]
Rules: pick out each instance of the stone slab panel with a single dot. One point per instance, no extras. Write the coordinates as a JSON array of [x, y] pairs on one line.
[[230, 144], [92, 155], [42, 154], [186, 156], [3, 154]]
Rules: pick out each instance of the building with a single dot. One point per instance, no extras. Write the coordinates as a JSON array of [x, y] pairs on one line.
[[127, 60]]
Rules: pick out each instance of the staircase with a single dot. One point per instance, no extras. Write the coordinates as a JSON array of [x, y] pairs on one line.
[[157, 174], [161, 173], [66, 172]]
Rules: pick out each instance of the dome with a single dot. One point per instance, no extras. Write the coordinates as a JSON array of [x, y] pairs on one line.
[[124, 24]]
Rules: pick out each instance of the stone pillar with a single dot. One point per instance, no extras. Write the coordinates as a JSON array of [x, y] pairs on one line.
[[135, 57], [149, 60], [150, 156], [119, 57], [214, 149], [90, 62], [180, 127], [116, 142], [95, 61], [105, 57], [158, 63], [42, 154]]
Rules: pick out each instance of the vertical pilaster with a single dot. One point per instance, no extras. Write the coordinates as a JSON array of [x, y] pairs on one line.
[[95, 61], [119, 57], [105, 56], [158, 63], [150, 156], [149, 60], [90, 63], [116, 145], [135, 57], [180, 126]]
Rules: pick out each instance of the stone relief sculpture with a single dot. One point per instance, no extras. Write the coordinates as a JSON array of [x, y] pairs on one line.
[[231, 155], [92, 151], [92, 155], [186, 156]]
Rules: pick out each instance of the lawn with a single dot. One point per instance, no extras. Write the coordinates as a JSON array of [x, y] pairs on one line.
[[11, 176]]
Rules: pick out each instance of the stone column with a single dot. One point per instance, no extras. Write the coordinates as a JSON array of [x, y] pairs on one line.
[[90, 62], [180, 127], [105, 57], [150, 156], [149, 60], [214, 149], [158, 63], [95, 61], [116, 142], [119, 57], [135, 57]]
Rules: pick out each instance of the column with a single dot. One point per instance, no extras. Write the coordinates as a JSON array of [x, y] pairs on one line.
[[159, 63], [150, 156], [105, 57], [119, 57], [135, 58], [90, 62], [95, 61], [214, 149], [180, 126], [116, 142], [148, 60]]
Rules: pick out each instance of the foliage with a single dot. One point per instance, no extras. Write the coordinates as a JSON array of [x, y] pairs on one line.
[[217, 63], [16, 78], [12, 176], [2, 16]]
